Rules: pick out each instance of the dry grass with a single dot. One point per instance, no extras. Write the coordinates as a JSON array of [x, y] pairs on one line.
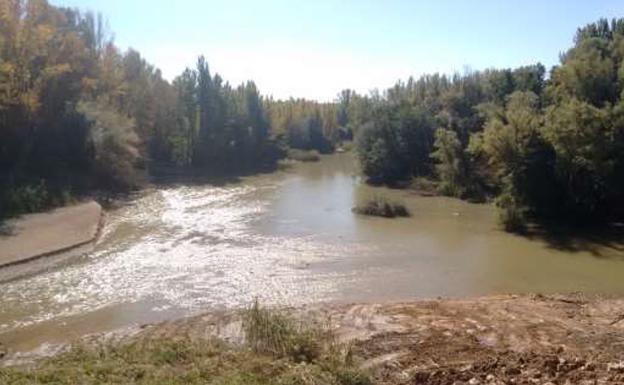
[[279, 350]]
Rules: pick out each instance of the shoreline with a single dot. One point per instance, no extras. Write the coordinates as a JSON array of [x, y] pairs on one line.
[[483, 340], [36, 242]]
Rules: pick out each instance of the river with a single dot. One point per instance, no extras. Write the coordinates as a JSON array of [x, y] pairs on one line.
[[288, 238]]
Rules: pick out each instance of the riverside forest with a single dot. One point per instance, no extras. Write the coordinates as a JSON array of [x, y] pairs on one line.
[[187, 230], [80, 116]]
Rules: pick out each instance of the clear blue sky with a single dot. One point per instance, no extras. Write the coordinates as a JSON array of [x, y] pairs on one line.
[[315, 48]]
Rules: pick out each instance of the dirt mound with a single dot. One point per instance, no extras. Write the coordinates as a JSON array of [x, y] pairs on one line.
[[495, 340]]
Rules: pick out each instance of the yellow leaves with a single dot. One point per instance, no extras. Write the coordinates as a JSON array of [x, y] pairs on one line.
[[9, 11], [7, 68], [30, 100], [89, 85], [56, 70], [45, 33]]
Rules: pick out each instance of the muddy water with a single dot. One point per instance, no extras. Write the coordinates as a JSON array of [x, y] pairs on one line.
[[288, 238]]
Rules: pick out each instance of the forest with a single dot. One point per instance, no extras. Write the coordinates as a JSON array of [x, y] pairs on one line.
[[79, 116], [544, 146]]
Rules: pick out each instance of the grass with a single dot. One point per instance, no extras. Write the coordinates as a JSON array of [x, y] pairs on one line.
[[381, 206], [279, 350], [303, 155], [346, 146], [425, 185]]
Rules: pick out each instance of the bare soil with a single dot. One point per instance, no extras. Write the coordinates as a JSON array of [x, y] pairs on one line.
[[491, 340], [528, 339], [38, 234], [60, 231]]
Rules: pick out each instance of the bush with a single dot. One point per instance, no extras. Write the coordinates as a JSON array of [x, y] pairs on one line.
[[157, 358], [24, 199], [311, 344], [382, 207], [269, 331], [347, 146], [424, 185], [303, 155], [511, 215]]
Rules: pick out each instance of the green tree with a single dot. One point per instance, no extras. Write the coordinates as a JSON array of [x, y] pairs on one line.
[[451, 167]]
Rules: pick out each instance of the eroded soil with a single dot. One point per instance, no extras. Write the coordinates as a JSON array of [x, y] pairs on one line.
[[494, 340], [490, 340]]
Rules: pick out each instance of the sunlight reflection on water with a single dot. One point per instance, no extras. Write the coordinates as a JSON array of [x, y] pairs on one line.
[[189, 247], [288, 238]]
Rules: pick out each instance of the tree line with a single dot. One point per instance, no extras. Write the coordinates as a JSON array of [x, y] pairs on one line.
[[78, 115], [545, 146]]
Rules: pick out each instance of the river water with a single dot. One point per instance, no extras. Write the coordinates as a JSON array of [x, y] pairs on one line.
[[288, 238]]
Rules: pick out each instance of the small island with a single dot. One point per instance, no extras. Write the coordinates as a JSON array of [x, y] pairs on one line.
[[381, 206]]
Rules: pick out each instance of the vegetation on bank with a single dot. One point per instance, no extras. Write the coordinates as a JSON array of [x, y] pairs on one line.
[[279, 349], [380, 206], [303, 155], [78, 115], [547, 148]]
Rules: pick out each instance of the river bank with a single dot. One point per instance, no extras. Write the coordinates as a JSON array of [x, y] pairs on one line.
[[528, 339], [289, 238], [32, 242]]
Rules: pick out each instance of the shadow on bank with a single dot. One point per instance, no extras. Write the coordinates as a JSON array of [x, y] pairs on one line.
[[601, 241], [161, 175]]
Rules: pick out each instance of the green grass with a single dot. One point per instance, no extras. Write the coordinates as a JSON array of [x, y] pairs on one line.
[[303, 155], [381, 206], [279, 350], [346, 146], [425, 185]]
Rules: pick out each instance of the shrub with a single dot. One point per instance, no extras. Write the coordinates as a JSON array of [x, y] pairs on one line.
[[180, 359], [24, 199], [346, 146], [511, 215], [382, 207], [269, 331], [424, 185]]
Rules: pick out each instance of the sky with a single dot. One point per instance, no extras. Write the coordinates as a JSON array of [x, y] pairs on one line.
[[316, 48]]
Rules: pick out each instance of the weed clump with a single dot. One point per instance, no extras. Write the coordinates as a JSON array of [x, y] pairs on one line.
[[382, 207], [279, 349]]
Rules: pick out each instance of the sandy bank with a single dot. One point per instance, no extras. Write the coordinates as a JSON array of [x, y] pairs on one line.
[[25, 241]]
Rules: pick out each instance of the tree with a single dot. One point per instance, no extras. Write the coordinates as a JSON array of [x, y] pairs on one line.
[[114, 144], [451, 167]]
